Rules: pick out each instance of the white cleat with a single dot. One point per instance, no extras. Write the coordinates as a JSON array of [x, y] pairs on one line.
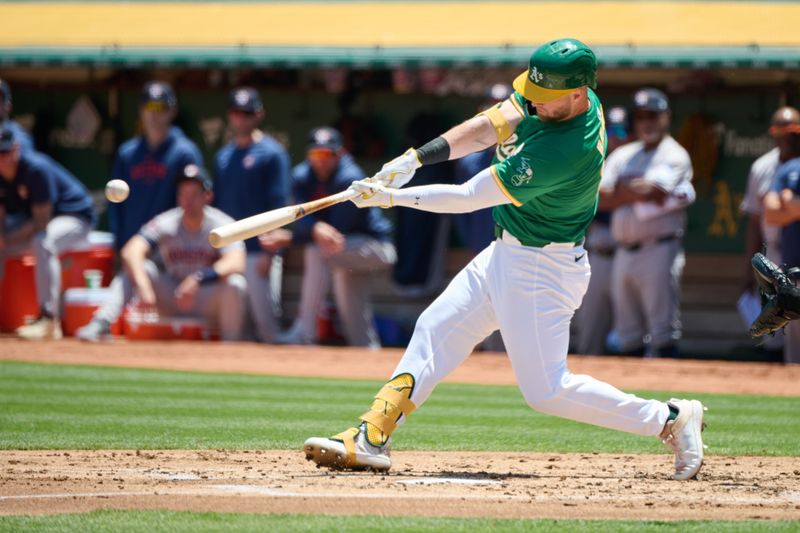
[[43, 328], [348, 450], [684, 436]]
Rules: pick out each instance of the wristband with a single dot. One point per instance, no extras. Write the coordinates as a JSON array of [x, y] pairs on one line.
[[436, 151], [207, 275]]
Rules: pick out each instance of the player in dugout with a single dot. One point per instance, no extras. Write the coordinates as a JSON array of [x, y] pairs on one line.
[[196, 280], [45, 207], [149, 164]]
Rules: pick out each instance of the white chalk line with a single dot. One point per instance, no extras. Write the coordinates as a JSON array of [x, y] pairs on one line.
[[278, 493], [75, 495], [261, 490]]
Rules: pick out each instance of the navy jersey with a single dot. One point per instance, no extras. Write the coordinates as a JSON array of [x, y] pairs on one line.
[[251, 180], [345, 217], [41, 180], [788, 177], [151, 177], [21, 135]]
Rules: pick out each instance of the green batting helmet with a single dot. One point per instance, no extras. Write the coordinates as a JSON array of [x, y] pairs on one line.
[[557, 68]]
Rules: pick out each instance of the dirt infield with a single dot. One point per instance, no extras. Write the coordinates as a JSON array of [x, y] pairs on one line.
[[510, 485]]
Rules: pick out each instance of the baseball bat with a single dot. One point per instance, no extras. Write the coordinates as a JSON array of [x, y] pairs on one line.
[[274, 219]]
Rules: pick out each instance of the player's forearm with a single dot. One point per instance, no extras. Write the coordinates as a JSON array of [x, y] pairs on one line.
[[777, 216], [474, 135], [134, 255], [607, 200], [231, 262], [136, 270], [478, 193], [486, 129], [20, 235]]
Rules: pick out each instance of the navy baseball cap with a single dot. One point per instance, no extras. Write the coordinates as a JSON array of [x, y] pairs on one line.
[[649, 99], [158, 92], [245, 99], [196, 173], [7, 140], [325, 137], [617, 124]]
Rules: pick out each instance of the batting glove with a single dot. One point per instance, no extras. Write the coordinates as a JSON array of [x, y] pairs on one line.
[[399, 170], [372, 194]]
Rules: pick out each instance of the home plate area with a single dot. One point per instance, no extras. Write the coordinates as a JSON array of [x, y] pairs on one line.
[[510, 485]]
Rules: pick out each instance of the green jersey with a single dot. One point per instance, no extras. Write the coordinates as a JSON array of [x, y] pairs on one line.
[[551, 173]]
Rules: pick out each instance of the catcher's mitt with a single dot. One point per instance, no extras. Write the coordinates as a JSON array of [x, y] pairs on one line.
[[779, 297]]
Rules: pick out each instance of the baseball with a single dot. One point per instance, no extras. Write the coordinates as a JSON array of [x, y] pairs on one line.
[[117, 191]]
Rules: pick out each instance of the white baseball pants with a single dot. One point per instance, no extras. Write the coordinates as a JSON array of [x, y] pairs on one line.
[[530, 294], [264, 295], [350, 273], [62, 232]]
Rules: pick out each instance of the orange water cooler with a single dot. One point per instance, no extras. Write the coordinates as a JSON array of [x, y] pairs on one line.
[[97, 253], [149, 327], [18, 304], [79, 305]]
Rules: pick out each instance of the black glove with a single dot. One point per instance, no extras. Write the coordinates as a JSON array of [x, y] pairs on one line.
[[779, 298]]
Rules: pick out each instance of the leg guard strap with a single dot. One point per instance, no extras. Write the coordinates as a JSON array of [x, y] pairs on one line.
[[397, 398], [379, 420], [348, 438]]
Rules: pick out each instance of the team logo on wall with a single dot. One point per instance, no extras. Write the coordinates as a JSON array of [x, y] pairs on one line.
[[524, 173]]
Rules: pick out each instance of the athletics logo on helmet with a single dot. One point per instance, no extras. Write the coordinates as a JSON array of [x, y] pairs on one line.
[[557, 68]]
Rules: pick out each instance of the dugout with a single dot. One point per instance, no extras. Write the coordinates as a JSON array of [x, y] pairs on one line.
[[370, 67]]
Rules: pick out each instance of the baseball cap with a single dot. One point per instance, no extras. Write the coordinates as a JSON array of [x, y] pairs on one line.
[[324, 137], [196, 173], [649, 99], [557, 68], [786, 120], [7, 140], [245, 99], [617, 124], [155, 92]]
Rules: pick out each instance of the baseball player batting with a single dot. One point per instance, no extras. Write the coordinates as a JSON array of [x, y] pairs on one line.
[[527, 283]]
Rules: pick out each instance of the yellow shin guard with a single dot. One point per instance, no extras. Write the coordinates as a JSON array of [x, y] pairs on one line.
[[390, 403]]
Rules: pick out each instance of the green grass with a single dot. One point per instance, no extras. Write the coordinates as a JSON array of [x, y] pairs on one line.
[[83, 407], [175, 522]]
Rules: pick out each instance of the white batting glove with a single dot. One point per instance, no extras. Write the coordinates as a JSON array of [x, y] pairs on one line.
[[372, 194], [399, 170]]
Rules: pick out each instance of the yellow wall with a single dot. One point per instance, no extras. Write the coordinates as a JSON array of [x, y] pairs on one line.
[[399, 24]]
